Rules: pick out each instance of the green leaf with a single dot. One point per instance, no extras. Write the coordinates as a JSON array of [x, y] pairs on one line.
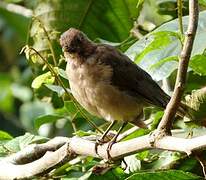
[[21, 92], [43, 78], [81, 133], [159, 40], [166, 160], [5, 136], [137, 133], [18, 22], [20, 143], [148, 51], [197, 101], [31, 110], [163, 61], [156, 119], [45, 119], [62, 73], [6, 99], [198, 64], [164, 175], [111, 20], [58, 89], [202, 2]]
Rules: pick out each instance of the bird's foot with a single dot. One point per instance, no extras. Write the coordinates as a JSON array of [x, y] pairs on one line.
[[103, 140], [109, 147]]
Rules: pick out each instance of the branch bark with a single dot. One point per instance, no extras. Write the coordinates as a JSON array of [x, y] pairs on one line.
[[84, 146], [166, 122]]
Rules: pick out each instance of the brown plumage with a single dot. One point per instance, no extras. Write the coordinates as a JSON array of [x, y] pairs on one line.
[[107, 83]]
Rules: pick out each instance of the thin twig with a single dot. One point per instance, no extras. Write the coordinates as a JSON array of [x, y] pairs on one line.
[[166, 122], [48, 39]]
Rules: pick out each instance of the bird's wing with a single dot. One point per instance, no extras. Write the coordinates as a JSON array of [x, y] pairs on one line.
[[129, 77]]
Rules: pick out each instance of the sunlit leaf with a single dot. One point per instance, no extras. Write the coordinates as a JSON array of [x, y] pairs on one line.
[[150, 50], [47, 78], [198, 64], [5, 136], [45, 119], [164, 175]]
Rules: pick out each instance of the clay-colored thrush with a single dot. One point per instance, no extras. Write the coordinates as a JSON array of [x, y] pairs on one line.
[[107, 83]]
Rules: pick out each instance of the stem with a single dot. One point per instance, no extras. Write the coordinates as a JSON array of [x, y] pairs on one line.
[[166, 122], [49, 41]]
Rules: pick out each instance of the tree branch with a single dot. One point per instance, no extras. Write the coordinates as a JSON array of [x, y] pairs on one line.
[[166, 122], [49, 151], [84, 146]]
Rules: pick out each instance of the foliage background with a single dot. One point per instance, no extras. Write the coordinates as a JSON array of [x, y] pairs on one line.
[[33, 100]]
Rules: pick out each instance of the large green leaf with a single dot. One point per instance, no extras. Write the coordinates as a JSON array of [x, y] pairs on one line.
[[107, 19], [164, 175], [164, 43], [198, 64], [18, 22]]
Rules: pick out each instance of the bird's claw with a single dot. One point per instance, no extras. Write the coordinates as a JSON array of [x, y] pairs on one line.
[[109, 147], [97, 143]]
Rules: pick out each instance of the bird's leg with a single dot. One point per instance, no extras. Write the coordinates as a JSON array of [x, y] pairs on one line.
[[101, 140], [114, 139]]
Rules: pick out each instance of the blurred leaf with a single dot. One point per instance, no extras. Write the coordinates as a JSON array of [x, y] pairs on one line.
[[62, 73], [187, 164], [184, 132], [202, 2], [166, 160], [156, 119], [164, 175], [31, 110], [70, 108], [111, 20], [5, 136], [21, 92], [198, 64], [18, 22], [58, 89], [197, 101], [45, 119], [47, 78], [6, 99], [147, 53], [20, 142]]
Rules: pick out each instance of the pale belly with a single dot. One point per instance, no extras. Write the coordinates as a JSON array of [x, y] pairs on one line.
[[100, 98]]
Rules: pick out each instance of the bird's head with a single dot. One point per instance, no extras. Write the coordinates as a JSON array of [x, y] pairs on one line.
[[74, 41]]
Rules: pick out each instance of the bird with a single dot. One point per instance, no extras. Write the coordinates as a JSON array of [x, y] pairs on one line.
[[108, 84]]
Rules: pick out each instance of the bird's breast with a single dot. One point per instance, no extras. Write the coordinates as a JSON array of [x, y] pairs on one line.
[[91, 86]]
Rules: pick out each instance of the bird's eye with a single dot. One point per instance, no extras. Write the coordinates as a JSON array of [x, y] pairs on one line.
[[79, 39], [67, 48]]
